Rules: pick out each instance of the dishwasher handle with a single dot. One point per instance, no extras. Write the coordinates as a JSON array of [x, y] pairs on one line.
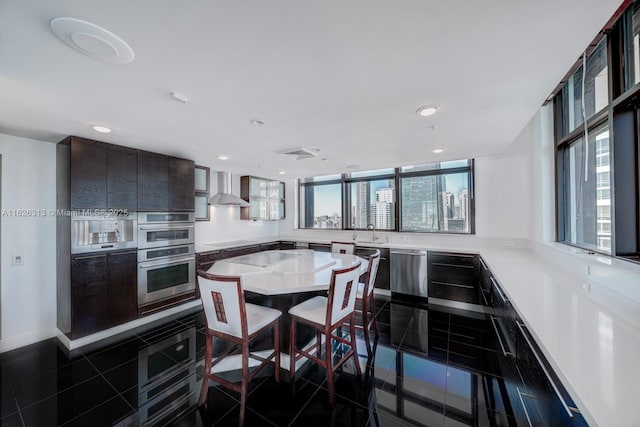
[[410, 253]]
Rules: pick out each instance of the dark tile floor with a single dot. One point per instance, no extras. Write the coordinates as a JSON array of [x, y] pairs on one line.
[[430, 368]]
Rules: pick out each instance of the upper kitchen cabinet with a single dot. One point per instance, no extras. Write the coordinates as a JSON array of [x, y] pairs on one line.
[[265, 197], [165, 183], [102, 176], [122, 177], [153, 181], [88, 173], [181, 185]]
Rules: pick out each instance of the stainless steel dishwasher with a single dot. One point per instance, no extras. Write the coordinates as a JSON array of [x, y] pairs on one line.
[[409, 272]]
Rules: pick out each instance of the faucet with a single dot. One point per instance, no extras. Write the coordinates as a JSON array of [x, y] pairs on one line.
[[373, 231], [354, 237]]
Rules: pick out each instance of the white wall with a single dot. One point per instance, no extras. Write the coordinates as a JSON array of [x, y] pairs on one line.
[[225, 223], [28, 291]]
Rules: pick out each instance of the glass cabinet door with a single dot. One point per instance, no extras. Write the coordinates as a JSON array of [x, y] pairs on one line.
[[259, 187], [276, 209], [259, 209]]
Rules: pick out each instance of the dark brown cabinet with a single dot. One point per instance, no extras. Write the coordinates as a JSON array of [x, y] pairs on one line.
[[103, 291], [182, 195], [153, 182], [122, 177], [165, 183], [102, 176], [88, 174], [89, 299], [122, 292], [383, 277]]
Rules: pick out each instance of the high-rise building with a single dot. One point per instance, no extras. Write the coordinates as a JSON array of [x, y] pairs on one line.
[[383, 209], [362, 212]]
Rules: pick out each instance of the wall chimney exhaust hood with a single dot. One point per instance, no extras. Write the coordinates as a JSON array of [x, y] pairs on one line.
[[224, 196]]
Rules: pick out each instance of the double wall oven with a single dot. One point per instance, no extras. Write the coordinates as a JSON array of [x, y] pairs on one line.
[[166, 258]]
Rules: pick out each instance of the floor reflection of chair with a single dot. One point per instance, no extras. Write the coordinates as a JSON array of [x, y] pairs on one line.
[[365, 299], [231, 319], [326, 315]]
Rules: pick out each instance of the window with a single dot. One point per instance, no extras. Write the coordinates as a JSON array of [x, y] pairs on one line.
[[437, 202], [373, 202], [586, 192], [598, 162], [323, 202], [596, 90], [434, 197]]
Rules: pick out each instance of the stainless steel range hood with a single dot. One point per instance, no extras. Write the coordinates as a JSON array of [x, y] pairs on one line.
[[224, 196]]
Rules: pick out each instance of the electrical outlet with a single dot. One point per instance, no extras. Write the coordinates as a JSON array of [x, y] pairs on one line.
[[17, 260]]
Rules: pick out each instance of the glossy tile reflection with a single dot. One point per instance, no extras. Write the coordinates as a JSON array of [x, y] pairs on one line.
[[430, 367]]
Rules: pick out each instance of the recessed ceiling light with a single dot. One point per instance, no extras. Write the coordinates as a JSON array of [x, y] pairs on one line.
[[256, 122], [438, 150], [101, 129], [427, 110], [282, 173], [223, 157]]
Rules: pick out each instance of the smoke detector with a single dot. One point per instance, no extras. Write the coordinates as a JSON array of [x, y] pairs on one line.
[[301, 153]]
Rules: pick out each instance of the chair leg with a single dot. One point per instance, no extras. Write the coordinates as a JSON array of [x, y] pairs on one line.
[[372, 307], [328, 362], [207, 369], [365, 324], [292, 351], [276, 348], [245, 381], [353, 344]]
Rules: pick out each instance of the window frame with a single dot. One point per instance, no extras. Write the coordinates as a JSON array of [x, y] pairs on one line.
[[346, 180]]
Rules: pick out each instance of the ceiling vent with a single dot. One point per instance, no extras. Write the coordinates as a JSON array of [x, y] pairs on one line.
[[301, 153]]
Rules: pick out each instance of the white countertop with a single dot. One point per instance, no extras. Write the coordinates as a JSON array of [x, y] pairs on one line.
[[589, 333], [303, 270]]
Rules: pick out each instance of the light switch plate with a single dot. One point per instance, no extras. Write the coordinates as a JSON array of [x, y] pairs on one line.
[[17, 259]]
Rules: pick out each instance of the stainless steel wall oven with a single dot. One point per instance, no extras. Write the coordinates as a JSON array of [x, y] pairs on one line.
[[166, 256]]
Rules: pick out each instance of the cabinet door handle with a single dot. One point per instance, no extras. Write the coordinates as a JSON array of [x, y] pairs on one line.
[[80, 258], [544, 369], [526, 413], [495, 328], [495, 285]]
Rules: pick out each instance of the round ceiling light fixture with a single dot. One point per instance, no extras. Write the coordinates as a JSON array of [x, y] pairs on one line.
[[257, 122], [92, 40], [427, 110], [223, 157], [101, 129], [437, 150], [282, 173]]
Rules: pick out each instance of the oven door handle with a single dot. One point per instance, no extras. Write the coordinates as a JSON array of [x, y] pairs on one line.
[[166, 227], [166, 262]]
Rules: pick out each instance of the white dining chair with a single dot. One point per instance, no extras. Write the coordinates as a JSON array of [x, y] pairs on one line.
[[326, 315], [231, 319]]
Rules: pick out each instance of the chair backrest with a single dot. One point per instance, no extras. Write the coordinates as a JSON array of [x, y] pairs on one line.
[[348, 248], [223, 302], [342, 293], [372, 271]]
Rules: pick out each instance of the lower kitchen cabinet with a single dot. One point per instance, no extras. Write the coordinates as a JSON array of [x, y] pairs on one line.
[[287, 245], [103, 291], [383, 277], [453, 276]]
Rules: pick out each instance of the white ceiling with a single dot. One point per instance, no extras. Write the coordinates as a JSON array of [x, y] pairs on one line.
[[341, 77]]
